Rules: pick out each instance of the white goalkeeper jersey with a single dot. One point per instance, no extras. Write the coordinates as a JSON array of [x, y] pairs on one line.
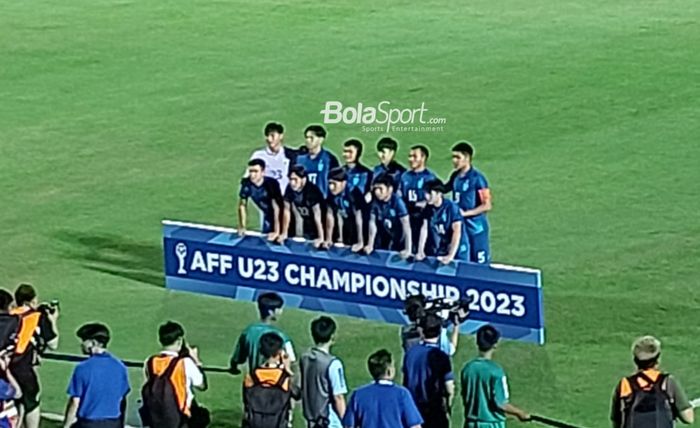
[[276, 165]]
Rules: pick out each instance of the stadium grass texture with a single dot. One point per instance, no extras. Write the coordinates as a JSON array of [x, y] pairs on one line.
[[117, 114]]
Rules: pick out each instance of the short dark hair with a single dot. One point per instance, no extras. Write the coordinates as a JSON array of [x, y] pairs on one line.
[[94, 331], [6, 300], [437, 185], [463, 147], [318, 130], [384, 179], [646, 364], [338, 174], [170, 332], [414, 307], [322, 329], [487, 337], [268, 303], [378, 363], [270, 344], [273, 127], [257, 162], [357, 144], [421, 148], [387, 143], [25, 293], [431, 325], [298, 170]]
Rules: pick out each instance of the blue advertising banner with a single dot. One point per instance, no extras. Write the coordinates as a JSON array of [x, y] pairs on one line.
[[217, 261]]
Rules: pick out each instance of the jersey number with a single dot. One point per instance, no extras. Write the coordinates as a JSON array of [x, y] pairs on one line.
[[312, 177], [412, 196]]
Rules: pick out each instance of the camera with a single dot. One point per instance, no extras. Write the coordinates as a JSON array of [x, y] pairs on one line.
[[454, 311], [50, 307]]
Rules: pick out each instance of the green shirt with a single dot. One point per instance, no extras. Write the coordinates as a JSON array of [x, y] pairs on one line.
[[249, 343], [484, 393]]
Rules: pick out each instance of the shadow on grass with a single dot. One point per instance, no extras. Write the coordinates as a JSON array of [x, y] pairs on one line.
[[115, 255], [225, 419]]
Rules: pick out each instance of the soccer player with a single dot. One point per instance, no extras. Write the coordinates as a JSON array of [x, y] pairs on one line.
[[485, 386], [412, 191], [386, 151], [346, 213], [471, 192], [278, 158], [318, 161], [265, 193], [389, 224], [444, 222], [358, 175], [307, 203]]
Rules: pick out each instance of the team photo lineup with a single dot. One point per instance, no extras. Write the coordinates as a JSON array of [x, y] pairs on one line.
[[314, 214]]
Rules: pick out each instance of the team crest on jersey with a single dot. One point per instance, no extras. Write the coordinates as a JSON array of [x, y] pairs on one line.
[[392, 212], [320, 166], [465, 186], [420, 183], [444, 217], [355, 180]]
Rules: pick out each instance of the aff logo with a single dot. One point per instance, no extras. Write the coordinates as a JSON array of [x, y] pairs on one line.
[[202, 261]]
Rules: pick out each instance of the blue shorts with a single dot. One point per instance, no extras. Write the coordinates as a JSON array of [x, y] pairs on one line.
[[479, 247]]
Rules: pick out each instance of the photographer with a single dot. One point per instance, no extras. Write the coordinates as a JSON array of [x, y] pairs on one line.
[[415, 309], [9, 390], [182, 363], [38, 330], [427, 374]]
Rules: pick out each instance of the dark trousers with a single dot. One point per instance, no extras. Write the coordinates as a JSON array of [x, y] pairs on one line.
[[104, 423], [434, 416]]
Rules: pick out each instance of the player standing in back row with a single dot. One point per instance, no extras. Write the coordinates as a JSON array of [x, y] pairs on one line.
[[318, 162], [412, 190], [471, 192], [278, 158]]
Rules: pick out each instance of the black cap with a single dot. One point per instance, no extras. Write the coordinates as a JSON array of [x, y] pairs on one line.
[[337, 174], [94, 331]]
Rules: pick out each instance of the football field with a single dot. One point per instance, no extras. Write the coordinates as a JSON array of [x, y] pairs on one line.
[[585, 116]]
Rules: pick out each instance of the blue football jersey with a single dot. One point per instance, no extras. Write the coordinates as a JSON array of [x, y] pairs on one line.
[[412, 188], [317, 168], [469, 191], [388, 216], [441, 221], [394, 169], [262, 195], [359, 177]]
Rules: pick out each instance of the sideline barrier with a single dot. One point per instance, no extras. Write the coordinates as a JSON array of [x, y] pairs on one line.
[[217, 261]]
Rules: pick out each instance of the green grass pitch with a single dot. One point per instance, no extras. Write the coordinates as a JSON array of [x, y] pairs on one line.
[[585, 115]]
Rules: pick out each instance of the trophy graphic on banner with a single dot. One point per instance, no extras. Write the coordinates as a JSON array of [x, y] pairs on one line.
[[181, 253]]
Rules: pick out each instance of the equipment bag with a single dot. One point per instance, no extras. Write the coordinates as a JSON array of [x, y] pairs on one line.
[[267, 402], [649, 406], [160, 405]]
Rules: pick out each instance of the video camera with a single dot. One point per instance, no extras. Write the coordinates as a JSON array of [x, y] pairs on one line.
[[50, 307], [454, 311]]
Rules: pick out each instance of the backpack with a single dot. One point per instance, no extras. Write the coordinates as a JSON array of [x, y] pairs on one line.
[[647, 407], [267, 403], [9, 331], [160, 406], [410, 336]]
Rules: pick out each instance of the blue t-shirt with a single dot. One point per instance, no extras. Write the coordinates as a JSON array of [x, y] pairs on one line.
[[394, 169], [347, 202], [336, 375], [426, 369], [381, 404], [469, 191], [262, 196], [317, 168], [388, 218], [412, 189], [101, 382], [440, 222], [359, 177]]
